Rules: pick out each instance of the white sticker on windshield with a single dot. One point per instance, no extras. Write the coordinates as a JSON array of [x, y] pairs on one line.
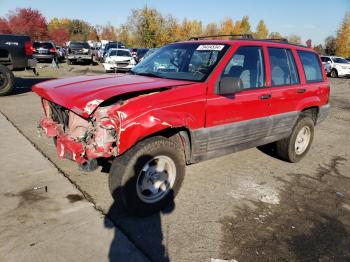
[[210, 47]]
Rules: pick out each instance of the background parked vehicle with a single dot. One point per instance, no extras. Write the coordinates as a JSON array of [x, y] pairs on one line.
[[44, 51], [108, 46], [138, 53], [79, 52], [118, 59], [16, 53], [336, 66]]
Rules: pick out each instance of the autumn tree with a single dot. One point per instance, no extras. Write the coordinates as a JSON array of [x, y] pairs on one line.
[[261, 30], [28, 21], [319, 49], [245, 25], [79, 30], [237, 27], [124, 36], [343, 37], [59, 35], [93, 34], [275, 35], [56, 23], [330, 45], [170, 31], [294, 39], [4, 26], [227, 26], [146, 25], [108, 32], [211, 29]]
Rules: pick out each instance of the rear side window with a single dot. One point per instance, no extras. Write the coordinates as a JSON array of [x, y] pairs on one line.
[[311, 65], [283, 68]]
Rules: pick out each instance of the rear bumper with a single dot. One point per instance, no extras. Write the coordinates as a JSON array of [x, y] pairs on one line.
[[323, 113], [79, 57], [44, 56]]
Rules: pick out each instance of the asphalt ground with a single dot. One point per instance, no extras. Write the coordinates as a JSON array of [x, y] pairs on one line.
[[248, 206]]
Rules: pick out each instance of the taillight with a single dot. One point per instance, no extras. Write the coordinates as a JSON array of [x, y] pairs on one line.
[[52, 50], [28, 47]]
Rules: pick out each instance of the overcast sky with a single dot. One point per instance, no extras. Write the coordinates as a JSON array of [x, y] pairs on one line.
[[315, 19]]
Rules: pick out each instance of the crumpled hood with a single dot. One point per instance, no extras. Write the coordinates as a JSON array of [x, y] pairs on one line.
[[83, 94]]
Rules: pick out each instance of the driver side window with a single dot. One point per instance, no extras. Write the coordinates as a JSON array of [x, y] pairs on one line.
[[246, 67]]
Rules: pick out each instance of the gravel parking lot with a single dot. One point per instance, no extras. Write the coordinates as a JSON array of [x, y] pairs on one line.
[[248, 206]]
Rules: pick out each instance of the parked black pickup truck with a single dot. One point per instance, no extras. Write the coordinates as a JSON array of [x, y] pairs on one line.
[[15, 54], [79, 52]]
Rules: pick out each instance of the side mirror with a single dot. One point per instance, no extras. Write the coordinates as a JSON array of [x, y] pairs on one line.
[[329, 62], [230, 85]]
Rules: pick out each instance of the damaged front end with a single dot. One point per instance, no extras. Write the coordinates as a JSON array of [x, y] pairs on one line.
[[81, 139]]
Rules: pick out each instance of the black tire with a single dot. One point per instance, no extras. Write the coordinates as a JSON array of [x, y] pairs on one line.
[[128, 167], [7, 80], [334, 73], [285, 148]]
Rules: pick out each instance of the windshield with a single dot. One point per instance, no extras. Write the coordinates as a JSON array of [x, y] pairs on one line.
[[183, 61], [79, 45], [119, 53], [340, 60]]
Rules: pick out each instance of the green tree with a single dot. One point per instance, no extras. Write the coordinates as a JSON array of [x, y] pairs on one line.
[[261, 30], [343, 37]]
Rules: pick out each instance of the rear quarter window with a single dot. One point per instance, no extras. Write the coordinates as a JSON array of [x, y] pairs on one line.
[[311, 66]]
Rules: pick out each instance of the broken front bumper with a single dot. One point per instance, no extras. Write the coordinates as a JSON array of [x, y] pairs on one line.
[[73, 149]]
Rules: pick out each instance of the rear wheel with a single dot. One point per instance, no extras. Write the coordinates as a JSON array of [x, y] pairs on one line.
[[334, 73], [295, 147], [148, 176], [7, 80]]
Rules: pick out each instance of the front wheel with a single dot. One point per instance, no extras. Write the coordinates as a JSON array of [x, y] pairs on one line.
[[148, 176], [295, 147], [7, 80]]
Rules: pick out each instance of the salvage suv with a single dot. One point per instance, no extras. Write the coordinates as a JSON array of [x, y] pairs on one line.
[[188, 102]]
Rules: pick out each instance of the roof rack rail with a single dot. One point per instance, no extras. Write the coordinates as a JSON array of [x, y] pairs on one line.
[[275, 39], [246, 36]]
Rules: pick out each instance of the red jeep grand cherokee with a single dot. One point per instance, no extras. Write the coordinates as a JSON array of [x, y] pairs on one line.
[[187, 102]]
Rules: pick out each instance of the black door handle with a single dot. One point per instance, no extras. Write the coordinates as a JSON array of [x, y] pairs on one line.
[[267, 96], [301, 90]]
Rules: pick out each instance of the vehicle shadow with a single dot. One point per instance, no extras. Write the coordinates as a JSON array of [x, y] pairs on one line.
[[24, 84], [144, 232]]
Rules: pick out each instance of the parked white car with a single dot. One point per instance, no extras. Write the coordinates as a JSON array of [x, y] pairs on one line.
[[336, 66], [118, 59]]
